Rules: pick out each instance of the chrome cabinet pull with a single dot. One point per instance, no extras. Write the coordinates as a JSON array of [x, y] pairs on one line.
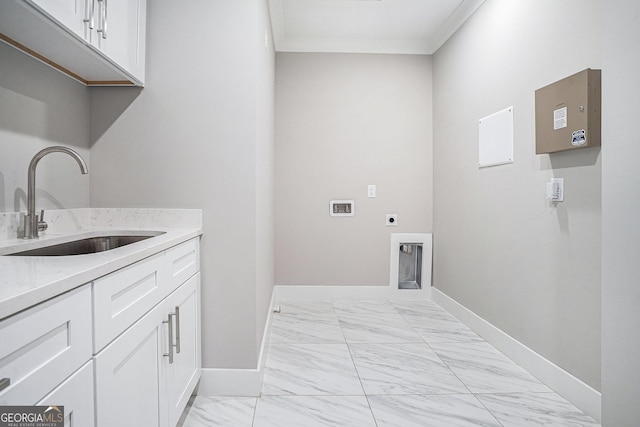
[[87, 14], [104, 19], [100, 16], [170, 322], [92, 12], [4, 383], [177, 329]]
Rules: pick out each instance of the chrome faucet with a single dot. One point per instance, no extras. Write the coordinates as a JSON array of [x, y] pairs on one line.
[[32, 225]]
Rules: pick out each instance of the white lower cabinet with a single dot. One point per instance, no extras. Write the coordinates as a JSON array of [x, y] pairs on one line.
[[145, 376], [121, 351]]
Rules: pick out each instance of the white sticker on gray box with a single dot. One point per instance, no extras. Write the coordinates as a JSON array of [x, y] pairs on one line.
[[578, 137], [560, 118]]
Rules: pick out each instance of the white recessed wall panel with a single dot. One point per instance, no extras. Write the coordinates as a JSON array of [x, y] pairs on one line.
[[495, 145]]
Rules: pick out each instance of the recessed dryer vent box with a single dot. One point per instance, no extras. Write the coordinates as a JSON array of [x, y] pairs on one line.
[[568, 113], [341, 208]]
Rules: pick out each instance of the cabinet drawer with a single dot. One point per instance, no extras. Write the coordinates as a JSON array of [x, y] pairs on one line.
[[44, 345], [183, 262], [124, 296], [76, 395]]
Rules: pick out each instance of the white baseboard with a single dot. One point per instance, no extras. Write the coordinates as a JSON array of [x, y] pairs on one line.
[[238, 382], [230, 382], [304, 292], [583, 396]]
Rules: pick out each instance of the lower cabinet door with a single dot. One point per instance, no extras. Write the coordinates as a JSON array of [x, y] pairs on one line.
[[183, 374], [76, 395], [129, 375]]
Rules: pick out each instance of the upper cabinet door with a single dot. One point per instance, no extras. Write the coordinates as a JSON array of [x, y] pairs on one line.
[[68, 13], [121, 29]]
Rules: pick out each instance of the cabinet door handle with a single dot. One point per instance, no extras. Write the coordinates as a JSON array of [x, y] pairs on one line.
[[87, 12], [170, 322], [4, 383], [101, 14], [91, 8], [177, 329], [104, 19]]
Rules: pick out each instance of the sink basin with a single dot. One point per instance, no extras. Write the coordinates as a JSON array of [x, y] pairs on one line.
[[89, 245]]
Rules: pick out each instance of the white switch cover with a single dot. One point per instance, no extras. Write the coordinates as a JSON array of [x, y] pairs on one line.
[[371, 191], [555, 190]]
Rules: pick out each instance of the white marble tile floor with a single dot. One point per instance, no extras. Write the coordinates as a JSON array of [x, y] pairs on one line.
[[384, 364]]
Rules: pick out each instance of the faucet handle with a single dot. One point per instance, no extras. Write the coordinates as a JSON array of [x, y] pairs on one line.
[[42, 226]]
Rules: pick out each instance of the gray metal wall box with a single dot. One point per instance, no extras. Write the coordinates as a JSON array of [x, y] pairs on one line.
[[568, 113]]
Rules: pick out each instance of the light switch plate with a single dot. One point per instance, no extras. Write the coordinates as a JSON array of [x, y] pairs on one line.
[[555, 190], [371, 190]]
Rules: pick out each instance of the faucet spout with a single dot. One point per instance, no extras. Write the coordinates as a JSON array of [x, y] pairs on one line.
[[30, 230]]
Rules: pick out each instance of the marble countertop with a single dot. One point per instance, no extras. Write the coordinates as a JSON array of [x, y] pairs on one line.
[[28, 280]]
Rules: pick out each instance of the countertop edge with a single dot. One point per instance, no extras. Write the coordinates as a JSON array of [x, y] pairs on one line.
[[104, 264]]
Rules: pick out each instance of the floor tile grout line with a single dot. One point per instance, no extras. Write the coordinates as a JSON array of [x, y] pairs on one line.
[[453, 372], [355, 367], [255, 409], [423, 341], [409, 323], [449, 368], [373, 416], [488, 410], [438, 356]]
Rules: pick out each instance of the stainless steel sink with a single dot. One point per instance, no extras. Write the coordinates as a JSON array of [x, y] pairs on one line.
[[89, 245]]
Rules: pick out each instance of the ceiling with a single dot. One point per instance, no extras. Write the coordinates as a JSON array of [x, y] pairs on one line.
[[367, 26]]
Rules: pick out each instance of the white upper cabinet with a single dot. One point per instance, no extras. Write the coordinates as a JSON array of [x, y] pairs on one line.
[[97, 42], [119, 31], [69, 13]]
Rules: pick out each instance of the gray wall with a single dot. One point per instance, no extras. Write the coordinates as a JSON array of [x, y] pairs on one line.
[[620, 207], [200, 135], [265, 170], [500, 249], [40, 107], [344, 121]]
